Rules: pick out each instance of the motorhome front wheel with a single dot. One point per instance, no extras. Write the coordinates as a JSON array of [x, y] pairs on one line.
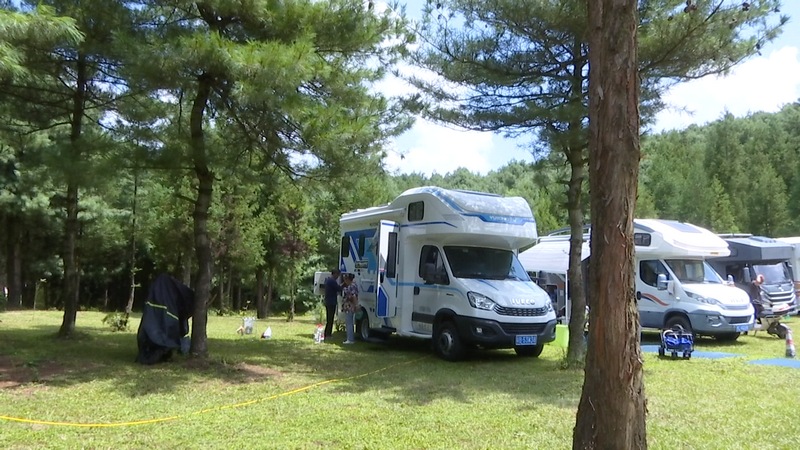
[[532, 351], [447, 343]]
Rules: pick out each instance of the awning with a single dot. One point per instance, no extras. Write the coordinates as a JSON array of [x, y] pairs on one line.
[[550, 256]]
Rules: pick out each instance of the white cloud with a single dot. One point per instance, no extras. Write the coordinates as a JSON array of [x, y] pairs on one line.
[[764, 83], [430, 148]]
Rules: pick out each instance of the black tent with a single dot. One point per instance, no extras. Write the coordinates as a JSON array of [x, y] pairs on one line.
[[165, 319]]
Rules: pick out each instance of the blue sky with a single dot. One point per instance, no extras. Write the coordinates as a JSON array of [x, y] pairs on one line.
[[762, 83]]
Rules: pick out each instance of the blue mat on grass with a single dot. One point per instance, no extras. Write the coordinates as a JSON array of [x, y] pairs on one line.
[[647, 348], [783, 362]]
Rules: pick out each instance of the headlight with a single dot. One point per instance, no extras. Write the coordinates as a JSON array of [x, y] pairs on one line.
[[706, 300], [480, 301], [550, 307]]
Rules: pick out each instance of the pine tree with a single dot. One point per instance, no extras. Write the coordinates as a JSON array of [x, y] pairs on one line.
[[285, 81], [521, 67]]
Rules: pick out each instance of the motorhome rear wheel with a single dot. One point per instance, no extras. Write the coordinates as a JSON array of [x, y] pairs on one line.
[[362, 327]]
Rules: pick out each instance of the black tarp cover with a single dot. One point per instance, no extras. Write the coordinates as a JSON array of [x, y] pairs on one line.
[[165, 319]]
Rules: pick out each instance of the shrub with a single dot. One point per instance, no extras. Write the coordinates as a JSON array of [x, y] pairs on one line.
[[117, 321]]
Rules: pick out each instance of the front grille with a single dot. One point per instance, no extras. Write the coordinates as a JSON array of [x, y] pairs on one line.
[[780, 297], [523, 328], [735, 307], [737, 320], [524, 312]]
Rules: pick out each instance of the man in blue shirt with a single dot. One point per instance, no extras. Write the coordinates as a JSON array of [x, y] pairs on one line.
[[332, 291]]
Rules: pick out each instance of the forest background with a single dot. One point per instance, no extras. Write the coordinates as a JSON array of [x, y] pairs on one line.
[[102, 138]]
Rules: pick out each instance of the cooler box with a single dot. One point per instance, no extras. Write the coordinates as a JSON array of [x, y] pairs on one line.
[[562, 336]]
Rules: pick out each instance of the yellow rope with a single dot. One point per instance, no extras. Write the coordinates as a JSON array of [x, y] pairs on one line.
[[203, 411]]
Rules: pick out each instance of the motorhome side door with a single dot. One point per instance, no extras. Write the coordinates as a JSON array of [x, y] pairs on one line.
[[387, 269], [652, 300]]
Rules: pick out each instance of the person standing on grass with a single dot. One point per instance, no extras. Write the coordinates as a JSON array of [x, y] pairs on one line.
[[332, 290], [349, 306], [755, 296]]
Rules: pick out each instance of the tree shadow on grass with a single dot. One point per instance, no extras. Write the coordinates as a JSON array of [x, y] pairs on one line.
[[403, 369]]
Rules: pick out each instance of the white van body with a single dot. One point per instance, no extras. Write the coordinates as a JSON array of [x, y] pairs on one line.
[[674, 282], [442, 264], [794, 262]]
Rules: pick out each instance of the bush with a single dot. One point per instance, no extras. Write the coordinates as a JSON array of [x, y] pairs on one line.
[[304, 301], [117, 321]]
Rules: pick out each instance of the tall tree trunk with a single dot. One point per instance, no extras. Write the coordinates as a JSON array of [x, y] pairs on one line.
[[28, 292], [576, 351], [611, 413], [221, 289], [71, 225], [261, 304], [576, 156], [270, 289], [202, 242], [13, 261], [186, 267], [229, 289], [290, 317], [132, 292], [238, 297]]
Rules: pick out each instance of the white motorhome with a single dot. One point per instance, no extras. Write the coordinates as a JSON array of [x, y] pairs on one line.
[[794, 262], [675, 285], [442, 264]]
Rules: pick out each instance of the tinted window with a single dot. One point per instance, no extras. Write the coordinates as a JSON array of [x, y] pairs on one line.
[[431, 258], [641, 239], [416, 211], [649, 271], [362, 240], [391, 257], [485, 263]]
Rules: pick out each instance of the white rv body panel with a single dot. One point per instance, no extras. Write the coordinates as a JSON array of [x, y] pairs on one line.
[[795, 261], [678, 251], [458, 240]]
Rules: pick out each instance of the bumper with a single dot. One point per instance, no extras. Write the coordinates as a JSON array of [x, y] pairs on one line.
[[493, 334], [712, 324]]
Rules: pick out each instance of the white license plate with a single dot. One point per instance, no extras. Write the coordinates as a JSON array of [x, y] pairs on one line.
[[742, 328], [523, 339]]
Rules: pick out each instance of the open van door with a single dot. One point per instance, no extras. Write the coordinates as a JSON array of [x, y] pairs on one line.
[[387, 269]]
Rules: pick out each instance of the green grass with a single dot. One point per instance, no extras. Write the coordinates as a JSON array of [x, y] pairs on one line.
[[288, 392]]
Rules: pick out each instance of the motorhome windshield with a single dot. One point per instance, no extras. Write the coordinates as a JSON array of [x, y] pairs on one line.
[[484, 263], [693, 271], [773, 273]]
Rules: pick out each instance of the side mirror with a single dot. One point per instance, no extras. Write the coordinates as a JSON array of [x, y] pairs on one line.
[[730, 279], [661, 283], [746, 275]]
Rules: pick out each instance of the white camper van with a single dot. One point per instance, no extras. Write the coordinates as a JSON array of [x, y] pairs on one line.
[[442, 264], [794, 263], [674, 283]]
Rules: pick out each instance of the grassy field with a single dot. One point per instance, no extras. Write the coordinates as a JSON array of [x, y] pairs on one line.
[[288, 392]]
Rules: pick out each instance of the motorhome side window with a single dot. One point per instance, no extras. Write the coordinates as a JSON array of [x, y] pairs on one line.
[[362, 241], [345, 250], [649, 271], [431, 266], [416, 211], [641, 239]]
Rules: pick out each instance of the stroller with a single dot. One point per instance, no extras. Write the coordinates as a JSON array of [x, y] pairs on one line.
[[676, 340]]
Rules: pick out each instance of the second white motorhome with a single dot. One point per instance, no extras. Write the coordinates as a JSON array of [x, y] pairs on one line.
[[675, 285], [442, 264], [794, 262]]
